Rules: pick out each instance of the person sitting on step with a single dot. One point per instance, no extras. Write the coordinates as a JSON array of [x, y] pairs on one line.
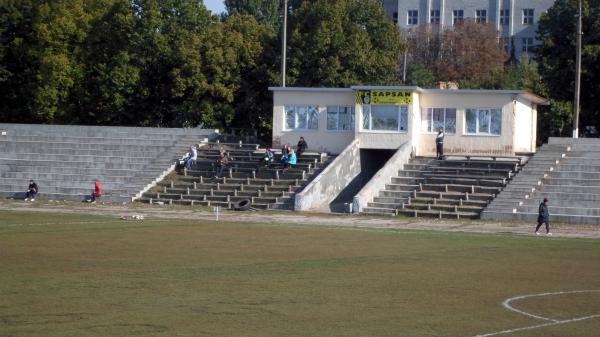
[[221, 163], [32, 190], [192, 157], [96, 192], [291, 162], [267, 158], [285, 152]]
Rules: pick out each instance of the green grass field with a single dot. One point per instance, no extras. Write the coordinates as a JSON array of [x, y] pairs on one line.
[[78, 275]]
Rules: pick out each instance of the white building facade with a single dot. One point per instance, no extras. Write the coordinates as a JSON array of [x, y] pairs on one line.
[[475, 122], [516, 20]]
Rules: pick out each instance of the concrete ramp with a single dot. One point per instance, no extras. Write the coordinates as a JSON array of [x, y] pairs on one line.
[[567, 172]]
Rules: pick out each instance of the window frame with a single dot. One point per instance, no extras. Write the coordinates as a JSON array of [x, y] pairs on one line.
[[351, 122], [477, 119], [527, 45], [481, 15], [456, 19], [430, 126], [414, 16], [434, 16], [296, 107], [399, 108], [504, 17], [527, 19]]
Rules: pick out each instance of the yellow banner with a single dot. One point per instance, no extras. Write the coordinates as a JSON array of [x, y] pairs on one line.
[[384, 97]]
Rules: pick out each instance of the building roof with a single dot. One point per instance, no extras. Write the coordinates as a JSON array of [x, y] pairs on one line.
[[524, 94]]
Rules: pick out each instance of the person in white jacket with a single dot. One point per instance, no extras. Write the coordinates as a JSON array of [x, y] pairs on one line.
[[193, 156]]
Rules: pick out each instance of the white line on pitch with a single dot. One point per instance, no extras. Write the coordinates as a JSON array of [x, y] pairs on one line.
[[507, 305]]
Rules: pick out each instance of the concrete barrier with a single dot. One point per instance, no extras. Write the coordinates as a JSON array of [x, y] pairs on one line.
[[329, 183], [382, 177]]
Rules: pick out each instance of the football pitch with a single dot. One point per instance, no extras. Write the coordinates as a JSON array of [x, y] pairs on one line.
[[90, 275]]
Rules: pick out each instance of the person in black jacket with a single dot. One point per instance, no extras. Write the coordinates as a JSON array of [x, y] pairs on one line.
[[301, 147], [32, 191], [439, 144], [543, 217]]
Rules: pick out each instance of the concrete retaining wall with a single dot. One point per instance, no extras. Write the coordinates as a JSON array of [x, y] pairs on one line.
[[334, 178], [382, 177]]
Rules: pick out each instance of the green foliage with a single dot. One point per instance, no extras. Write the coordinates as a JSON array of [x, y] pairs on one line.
[[172, 63], [420, 75], [555, 120], [342, 43], [264, 11], [556, 56]]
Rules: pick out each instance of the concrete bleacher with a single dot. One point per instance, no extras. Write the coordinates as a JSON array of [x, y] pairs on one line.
[[65, 160], [269, 187], [456, 187], [567, 172]]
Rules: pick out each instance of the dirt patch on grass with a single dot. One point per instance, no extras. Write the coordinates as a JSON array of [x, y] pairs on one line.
[[301, 218]]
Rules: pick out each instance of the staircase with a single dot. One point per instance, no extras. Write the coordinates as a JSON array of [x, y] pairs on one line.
[[65, 160], [265, 188], [451, 188], [567, 172]]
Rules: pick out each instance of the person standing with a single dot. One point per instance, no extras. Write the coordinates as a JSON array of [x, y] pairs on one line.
[[32, 190], [301, 147], [439, 144], [543, 217]]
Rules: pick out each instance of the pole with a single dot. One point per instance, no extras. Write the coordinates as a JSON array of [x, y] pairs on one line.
[[284, 42], [577, 74], [404, 68]]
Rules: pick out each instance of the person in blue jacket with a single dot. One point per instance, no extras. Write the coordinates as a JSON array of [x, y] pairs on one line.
[[543, 217], [292, 160]]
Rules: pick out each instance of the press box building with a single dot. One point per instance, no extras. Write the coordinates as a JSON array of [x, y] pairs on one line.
[[500, 122], [371, 127]]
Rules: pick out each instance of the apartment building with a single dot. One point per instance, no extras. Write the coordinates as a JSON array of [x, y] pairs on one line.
[[516, 20]]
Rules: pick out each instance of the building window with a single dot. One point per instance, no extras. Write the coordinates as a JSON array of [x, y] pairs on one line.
[[301, 117], [527, 44], [432, 119], [385, 118], [480, 16], [504, 17], [458, 15], [413, 17], [528, 16], [395, 17], [483, 121], [435, 16], [340, 118]]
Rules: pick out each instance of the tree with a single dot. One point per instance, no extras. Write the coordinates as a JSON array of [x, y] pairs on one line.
[[264, 11], [112, 73], [423, 53], [470, 52], [342, 43], [237, 73], [556, 57], [418, 74]]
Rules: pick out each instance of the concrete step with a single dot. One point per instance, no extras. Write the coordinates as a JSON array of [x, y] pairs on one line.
[[532, 217], [68, 196], [510, 203], [378, 211], [439, 214]]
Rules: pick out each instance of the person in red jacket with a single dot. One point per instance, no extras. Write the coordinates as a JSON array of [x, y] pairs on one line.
[[97, 192]]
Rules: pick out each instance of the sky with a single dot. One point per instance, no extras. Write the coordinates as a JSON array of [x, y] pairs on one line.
[[215, 6]]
